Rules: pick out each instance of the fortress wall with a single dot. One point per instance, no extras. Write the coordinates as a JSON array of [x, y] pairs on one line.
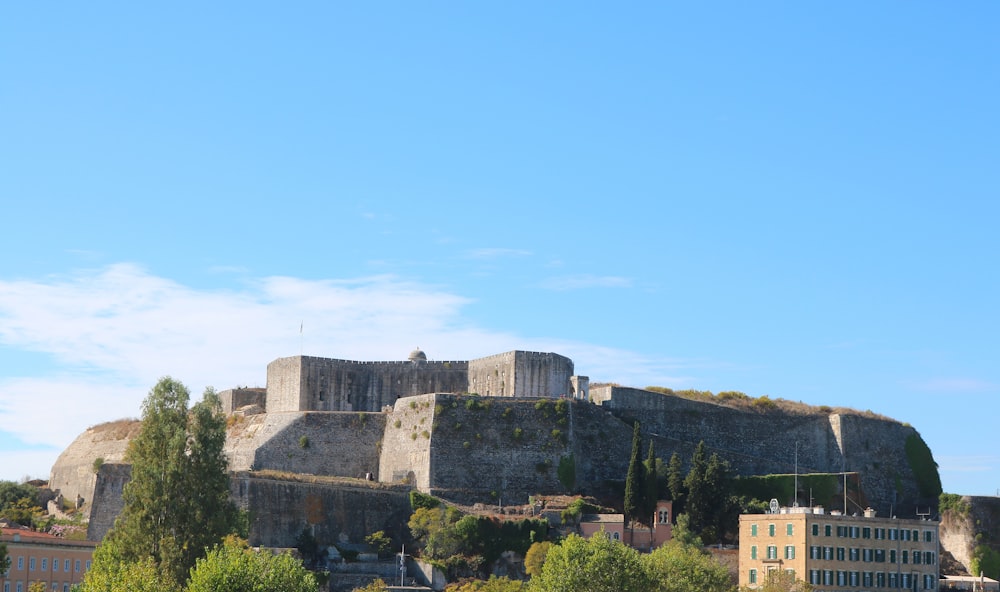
[[502, 447], [342, 385], [284, 384], [233, 399], [405, 454], [108, 500], [764, 442], [335, 512], [521, 374], [73, 472], [315, 443], [959, 531]]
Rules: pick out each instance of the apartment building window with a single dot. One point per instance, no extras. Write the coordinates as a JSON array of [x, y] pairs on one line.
[[928, 582], [789, 529], [88, 565], [928, 536], [893, 581], [841, 577], [753, 576], [66, 565], [880, 579], [20, 564], [770, 530], [893, 534], [45, 564], [753, 552], [880, 534], [855, 532], [753, 530], [841, 531], [31, 564], [77, 565], [853, 578], [828, 553], [772, 551], [790, 552], [55, 564], [879, 555], [853, 554], [814, 552], [906, 581], [813, 577], [916, 535], [866, 532], [916, 558], [815, 529], [929, 558], [20, 587], [906, 556], [867, 555], [866, 579], [827, 577], [827, 530], [6, 587], [840, 553], [892, 556]]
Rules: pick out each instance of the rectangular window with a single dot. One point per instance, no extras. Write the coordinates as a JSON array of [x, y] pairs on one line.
[[841, 531], [753, 530], [828, 553], [31, 564], [928, 582], [929, 558], [893, 534], [855, 532], [867, 555], [916, 558], [753, 552], [814, 552], [840, 553], [20, 587], [88, 565], [753, 576], [893, 582], [827, 529], [55, 564], [928, 536], [6, 587], [789, 529], [77, 565], [814, 577], [880, 579], [66, 565], [879, 555], [827, 577], [790, 552], [45, 564], [892, 556], [770, 530], [853, 579], [906, 556], [20, 564], [866, 579], [815, 529], [880, 534], [916, 535], [772, 551], [852, 554], [841, 578], [906, 580]]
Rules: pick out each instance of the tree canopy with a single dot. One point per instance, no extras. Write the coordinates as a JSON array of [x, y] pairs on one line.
[[597, 564], [177, 502], [234, 567]]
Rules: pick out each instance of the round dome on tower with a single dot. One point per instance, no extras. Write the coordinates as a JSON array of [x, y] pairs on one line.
[[417, 356]]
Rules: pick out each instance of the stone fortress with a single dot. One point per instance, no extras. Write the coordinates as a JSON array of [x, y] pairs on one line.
[[336, 445]]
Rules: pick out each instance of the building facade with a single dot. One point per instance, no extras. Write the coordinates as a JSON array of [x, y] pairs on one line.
[[839, 553], [41, 557]]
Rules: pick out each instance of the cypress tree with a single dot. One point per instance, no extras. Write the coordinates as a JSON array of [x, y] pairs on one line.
[[651, 482], [633, 480], [675, 482]]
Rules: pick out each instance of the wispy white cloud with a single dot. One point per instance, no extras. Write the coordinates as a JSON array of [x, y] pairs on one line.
[[113, 332], [580, 282]]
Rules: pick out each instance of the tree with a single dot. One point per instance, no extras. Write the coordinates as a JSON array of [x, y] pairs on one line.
[[177, 502], [697, 505], [651, 491], [494, 584], [375, 586], [380, 542], [534, 559], [234, 567], [114, 575], [597, 564], [4, 557], [780, 581], [681, 567], [675, 482], [633, 480]]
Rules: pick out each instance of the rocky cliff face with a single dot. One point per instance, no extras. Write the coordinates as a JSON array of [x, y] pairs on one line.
[[967, 522]]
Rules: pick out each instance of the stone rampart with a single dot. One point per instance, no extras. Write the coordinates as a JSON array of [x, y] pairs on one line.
[[317, 443], [335, 511], [978, 522], [764, 441], [73, 474], [233, 399], [108, 500], [521, 374], [405, 455]]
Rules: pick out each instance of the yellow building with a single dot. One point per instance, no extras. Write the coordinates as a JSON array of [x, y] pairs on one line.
[[835, 552], [42, 557]]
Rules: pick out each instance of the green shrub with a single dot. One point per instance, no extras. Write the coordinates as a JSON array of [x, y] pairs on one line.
[[925, 470], [518, 433], [303, 442]]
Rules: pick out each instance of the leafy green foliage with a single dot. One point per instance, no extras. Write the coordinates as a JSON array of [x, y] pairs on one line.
[[780, 581], [824, 487], [925, 470], [567, 471], [675, 482], [494, 584], [422, 500], [650, 482], [177, 502], [4, 557], [111, 574], [534, 559], [680, 567], [633, 480], [952, 502], [380, 542], [985, 560], [376, 586], [597, 564], [234, 567]]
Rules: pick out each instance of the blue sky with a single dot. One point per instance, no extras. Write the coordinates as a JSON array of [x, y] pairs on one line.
[[788, 199]]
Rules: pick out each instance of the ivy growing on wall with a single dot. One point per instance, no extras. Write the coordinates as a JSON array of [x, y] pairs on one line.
[[925, 470]]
